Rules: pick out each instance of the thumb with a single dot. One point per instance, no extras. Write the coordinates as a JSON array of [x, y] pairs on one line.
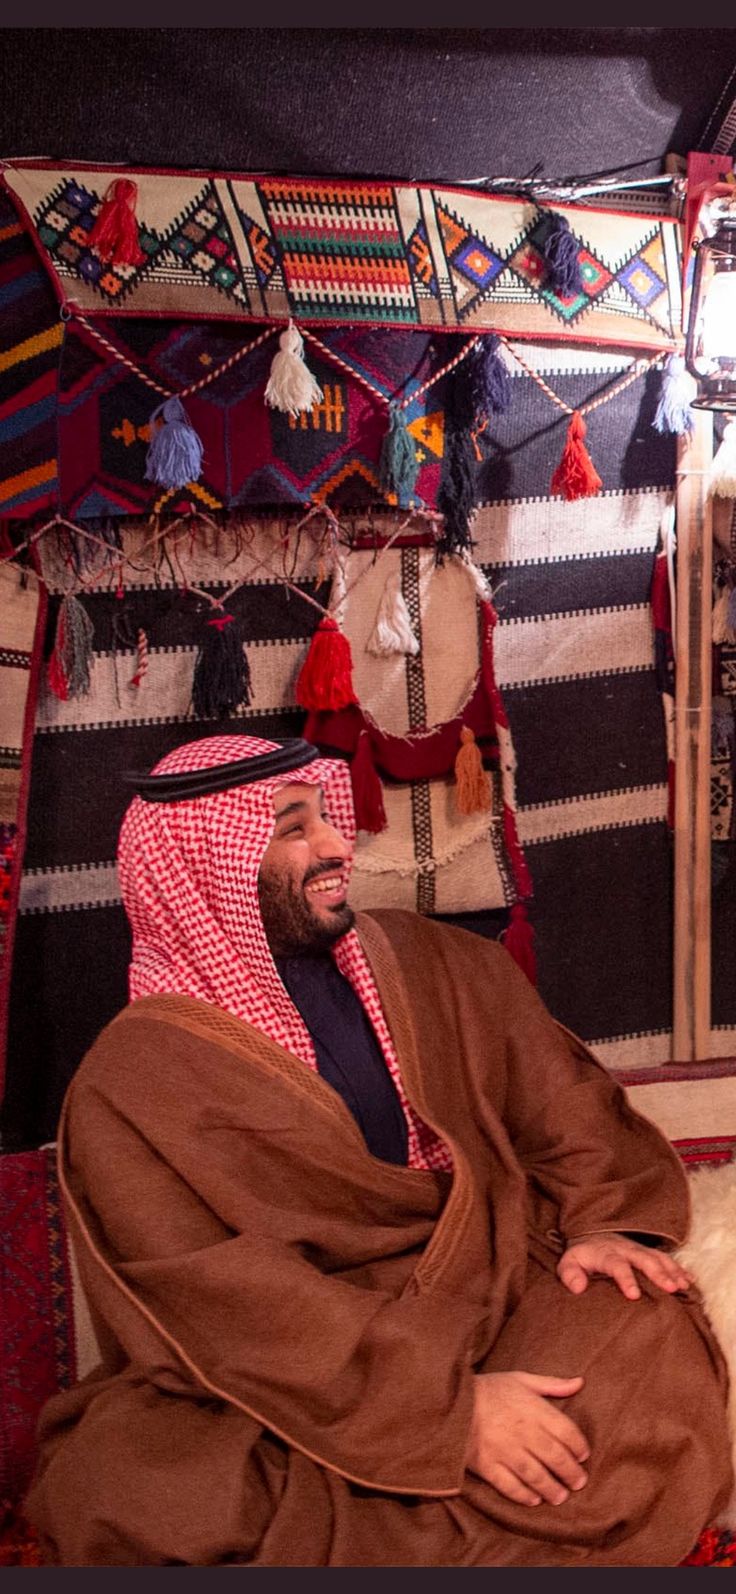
[[545, 1384]]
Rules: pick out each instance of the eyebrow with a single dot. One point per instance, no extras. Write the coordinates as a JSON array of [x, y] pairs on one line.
[[295, 807]]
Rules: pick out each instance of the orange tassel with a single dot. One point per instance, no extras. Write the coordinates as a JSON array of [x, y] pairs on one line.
[[473, 793], [370, 813], [576, 475], [114, 236], [519, 942], [325, 680]]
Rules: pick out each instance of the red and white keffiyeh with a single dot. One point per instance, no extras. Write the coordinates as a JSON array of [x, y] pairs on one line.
[[189, 881]]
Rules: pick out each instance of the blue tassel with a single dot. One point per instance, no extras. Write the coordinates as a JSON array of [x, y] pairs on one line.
[[560, 250], [673, 412], [490, 379], [174, 457], [399, 466]]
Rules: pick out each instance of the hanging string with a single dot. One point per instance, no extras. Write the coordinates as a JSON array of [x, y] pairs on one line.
[[639, 367]]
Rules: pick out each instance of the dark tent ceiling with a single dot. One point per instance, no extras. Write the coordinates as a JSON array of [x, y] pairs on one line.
[[433, 103]]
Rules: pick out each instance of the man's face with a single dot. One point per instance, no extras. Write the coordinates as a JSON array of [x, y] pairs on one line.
[[302, 883]]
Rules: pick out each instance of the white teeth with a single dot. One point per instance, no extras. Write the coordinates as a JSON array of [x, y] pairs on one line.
[[332, 883]]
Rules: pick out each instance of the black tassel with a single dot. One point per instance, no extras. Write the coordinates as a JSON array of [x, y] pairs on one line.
[[221, 672], [490, 380], [560, 250], [456, 496]]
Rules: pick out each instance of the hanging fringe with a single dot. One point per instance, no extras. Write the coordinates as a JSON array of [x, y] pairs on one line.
[[291, 387], [576, 475], [114, 237], [518, 940], [392, 632], [482, 586], [723, 470], [325, 680], [456, 496], [174, 457], [490, 380], [69, 666], [559, 248], [221, 679], [473, 793], [673, 413], [398, 466], [370, 813]]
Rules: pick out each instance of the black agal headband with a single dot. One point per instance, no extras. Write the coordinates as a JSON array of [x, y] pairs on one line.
[[187, 783]]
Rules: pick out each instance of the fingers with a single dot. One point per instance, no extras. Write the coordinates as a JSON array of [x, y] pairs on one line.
[[616, 1258], [545, 1384], [573, 1276], [663, 1270], [552, 1475], [529, 1481], [511, 1486], [561, 1430], [622, 1274]]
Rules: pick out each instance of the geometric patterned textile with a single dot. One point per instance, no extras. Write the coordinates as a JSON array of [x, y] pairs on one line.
[[256, 457], [339, 250], [30, 340], [253, 455], [574, 662], [429, 858], [46, 1339], [22, 616]]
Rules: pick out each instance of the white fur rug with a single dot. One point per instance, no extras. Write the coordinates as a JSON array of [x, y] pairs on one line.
[[710, 1256]]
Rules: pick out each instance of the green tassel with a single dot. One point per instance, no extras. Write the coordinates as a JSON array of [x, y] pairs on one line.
[[399, 466]]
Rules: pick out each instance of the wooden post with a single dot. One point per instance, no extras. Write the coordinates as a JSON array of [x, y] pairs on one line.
[[692, 928]]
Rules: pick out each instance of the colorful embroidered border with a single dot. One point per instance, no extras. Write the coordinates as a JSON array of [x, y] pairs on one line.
[[342, 251]]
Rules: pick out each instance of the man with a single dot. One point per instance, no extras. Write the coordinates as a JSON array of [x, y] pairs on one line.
[[358, 1225]]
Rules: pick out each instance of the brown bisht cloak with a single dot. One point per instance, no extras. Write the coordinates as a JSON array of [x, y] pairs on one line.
[[290, 1327]]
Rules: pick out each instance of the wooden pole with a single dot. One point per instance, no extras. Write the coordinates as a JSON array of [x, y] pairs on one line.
[[692, 927]]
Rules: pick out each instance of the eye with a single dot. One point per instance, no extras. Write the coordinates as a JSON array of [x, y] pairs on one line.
[[293, 830]]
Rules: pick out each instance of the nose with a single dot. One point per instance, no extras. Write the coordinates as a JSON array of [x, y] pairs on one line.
[[329, 843]]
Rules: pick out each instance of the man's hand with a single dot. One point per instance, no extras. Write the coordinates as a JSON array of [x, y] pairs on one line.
[[520, 1443], [616, 1257]]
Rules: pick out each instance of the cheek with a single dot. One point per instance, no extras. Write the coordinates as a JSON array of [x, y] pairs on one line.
[[284, 867]]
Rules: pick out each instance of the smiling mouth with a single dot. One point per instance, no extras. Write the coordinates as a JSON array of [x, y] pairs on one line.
[[328, 887]]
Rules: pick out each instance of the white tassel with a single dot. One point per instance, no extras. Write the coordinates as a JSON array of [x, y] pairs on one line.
[[482, 586], [291, 387], [392, 632], [676, 394], [723, 469], [721, 630]]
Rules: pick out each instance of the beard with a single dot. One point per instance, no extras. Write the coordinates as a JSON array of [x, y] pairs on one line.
[[291, 924]]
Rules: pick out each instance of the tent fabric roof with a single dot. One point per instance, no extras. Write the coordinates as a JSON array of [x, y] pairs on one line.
[[436, 104]]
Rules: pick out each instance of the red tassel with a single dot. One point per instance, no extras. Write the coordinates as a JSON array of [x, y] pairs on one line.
[[370, 813], [660, 595], [576, 475], [519, 942], [325, 680], [56, 674], [114, 236]]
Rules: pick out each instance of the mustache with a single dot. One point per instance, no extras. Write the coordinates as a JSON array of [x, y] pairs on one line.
[[333, 866]]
